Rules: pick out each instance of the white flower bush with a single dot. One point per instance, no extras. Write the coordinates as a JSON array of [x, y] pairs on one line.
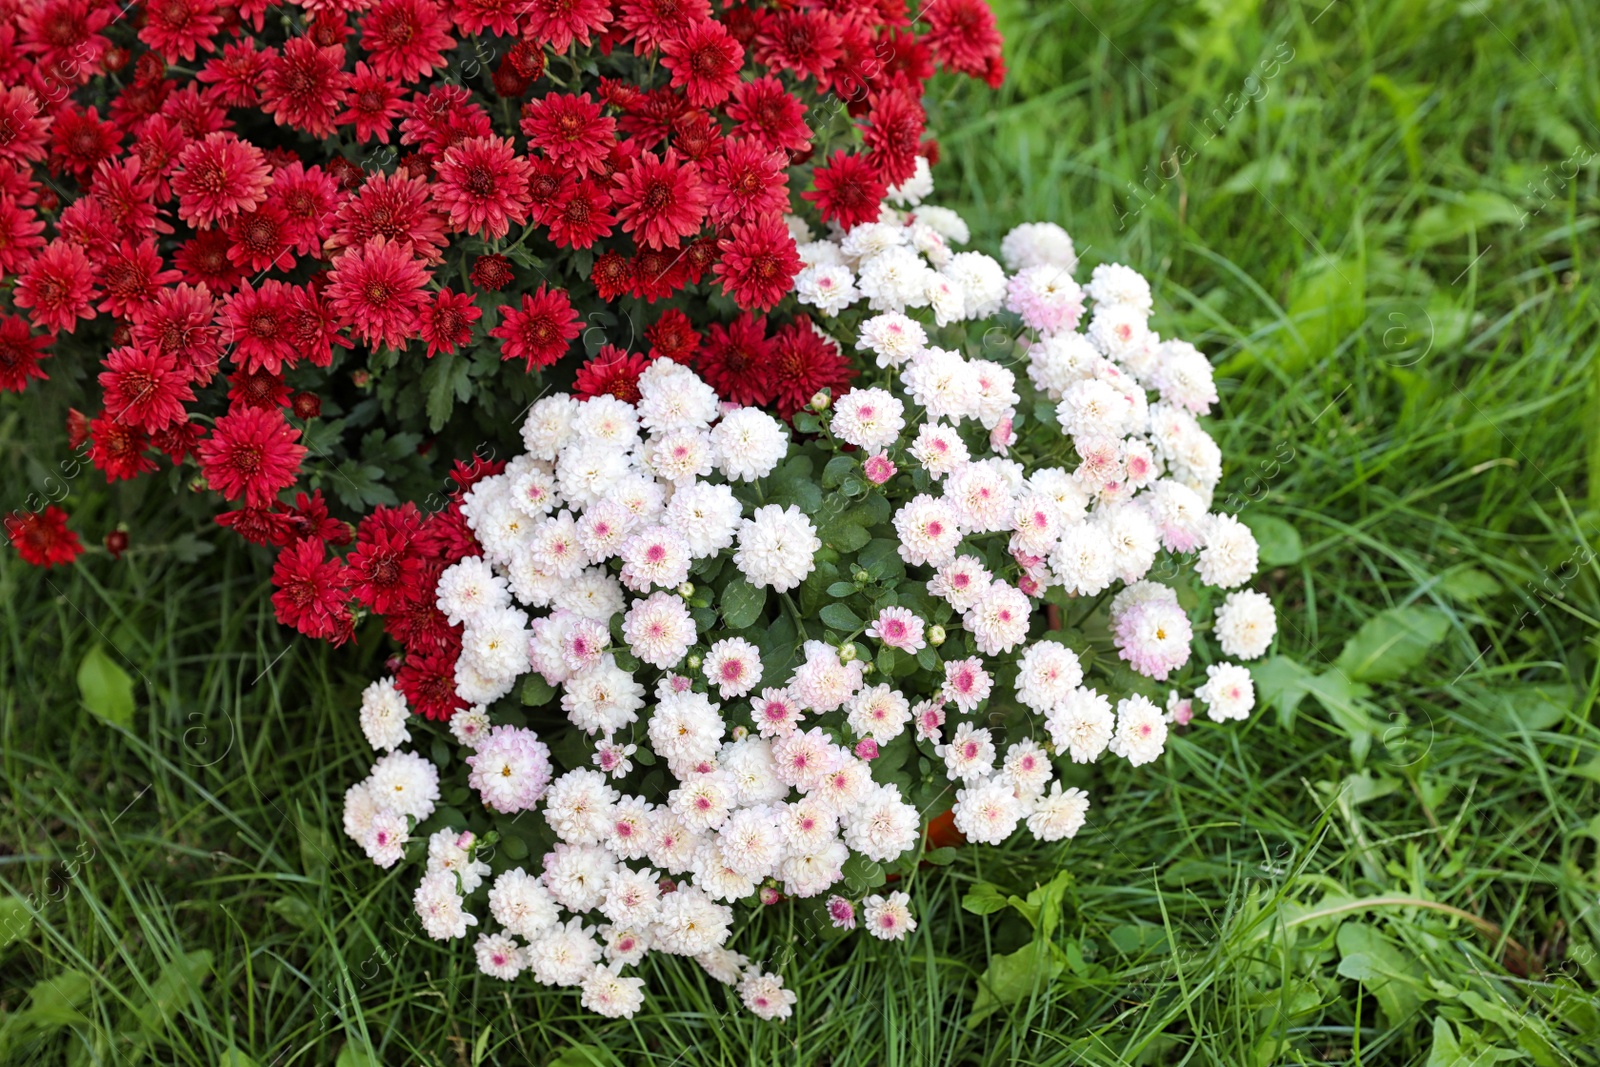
[[758, 663]]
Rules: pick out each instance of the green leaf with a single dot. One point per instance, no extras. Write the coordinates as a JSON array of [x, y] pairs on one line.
[[838, 617], [1046, 901], [106, 688], [861, 874], [845, 536], [1474, 211], [580, 1056], [881, 559], [54, 1002], [175, 988], [1255, 176], [1343, 701], [536, 692], [1281, 683], [1015, 976], [984, 899], [1388, 972], [1326, 305], [447, 377], [351, 1056], [806, 422], [1279, 542], [842, 589], [1468, 584], [16, 920], [837, 468], [295, 911], [742, 603], [1392, 642], [233, 1057]]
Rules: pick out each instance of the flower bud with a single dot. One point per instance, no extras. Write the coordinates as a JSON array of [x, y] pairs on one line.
[[936, 635], [821, 400], [769, 895], [740, 733], [686, 590], [867, 748], [694, 663], [847, 653], [860, 577], [117, 543]]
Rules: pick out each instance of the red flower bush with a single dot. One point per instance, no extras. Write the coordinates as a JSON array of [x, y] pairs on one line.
[[383, 210]]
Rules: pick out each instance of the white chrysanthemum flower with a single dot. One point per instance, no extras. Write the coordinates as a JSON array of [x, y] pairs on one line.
[[961, 583], [681, 456], [521, 904], [659, 629], [824, 682], [548, 427], [750, 766], [888, 918], [939, 449], [1141, 730], [496, 642], [1047, 674], [626, 945], [451, 851], [751, 842], [602, 529], [871, 239], [765, 996], [1026, 769], [775, 712], [945, 222], [499, 956], [592, 472], [999, 622], [383, 715], [808, 874], [470, 725], [578, 806], [981, 279], [987, 810], [944, 383], [686, 729], [672, 397], [593, 594], [819, 253], [384, 840], [1134, 538], [1230, 555], [533, 492], [706, 516], [1121, 332], [703, 801], [1246, 624], [603, 698], [632, 822], [1084, 560], [966, 683], [1183, 376], [914, 189], [609, 993], [777, 547], [870, 419], [929, 531], [1072, 503], [803, 757], [997, 398], [1229, 692], [1178, 512], [808, 825], [607, 420], [969, 754], [577, 875], [733, 665], [723, 965], [1058, 815], [893, 338], [655, 557], [879, 712], [981, 497], [845, 783], [894, 279], [1034, 244], [640, 494], [798, 228], [882, 826], [946, 297], [563, 955], [474, 686], [1115, 284], [1081, 724], [468, 587], [749, 444], [689, 923], [438, 905], [1057, 361], [360, 807], [1093, 408], [828, 287], [406, 783]]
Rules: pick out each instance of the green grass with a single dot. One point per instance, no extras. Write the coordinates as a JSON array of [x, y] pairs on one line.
[[1398, 293]]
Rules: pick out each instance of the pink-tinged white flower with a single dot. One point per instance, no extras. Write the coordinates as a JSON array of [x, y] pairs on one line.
[[870, 419], [1003, 434], [981, 498], [841, 913], [929, 717], [511, 769], [1180, 709], [385, 838], [824, 681], [1081, 724], [999, 622], [1229, 692], [1058, 814], [893, 338], [1047, 674], [764, 995], [607, 992], [1046, 297], [1230, 555], [966, 683], [659, 629], [987, 810], [438, 905], [776, 713], [867, 749], [940, 449], [879, 468], [879, 712], [612, 758], [899, 628], [803, 757], [888, 918], [499, 956], [584, 642], [770, 896], [1141, 730], [655, 557], [929, 531], [733, 665], [969, 754], [1026, 769], [1246, 624], [1113, 284], [1150, 629], [961, 583]]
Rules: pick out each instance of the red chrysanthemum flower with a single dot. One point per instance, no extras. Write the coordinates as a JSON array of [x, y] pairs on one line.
[[77, 428], [736, 360], [144, 387], [255, 327], [179, 323], [557, 23], [218, 178], [42, 537], [446, 321], [406, 39], [672, 337], [803, 363], [698, 136], [498, 17], [57, 287], [848, 190], [765, 111], [492, 272], [309, 518], [177, 28], [312, 326], [251, 453], [858, 65], [117, 448], [704, 62], [893, 131], [963, 38], [650, 24], [483, 185], [22, 129], [758, 263], [308, 197], [656, 275], [65, 35], [659, 201], [311, 594], [612, 275], [261, 240], [420, 626], [305, 86], [178, 441], [395, 206], [234, 76], [698, 258], [581, 218], [540, 331], [257, 389], [128, 196], [20, 352], [379, 290], [79, 140], [612, 372], [386, 572], [806, 42], [449, 531], [20, 235], [374, 104], [747, 181], [259, 526], [428, 680], [570, 130], [203, 260], [131, 277]]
